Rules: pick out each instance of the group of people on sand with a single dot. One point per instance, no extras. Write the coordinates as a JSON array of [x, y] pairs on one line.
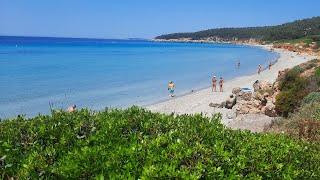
[[260, 68], [214, 84], [171, 85]]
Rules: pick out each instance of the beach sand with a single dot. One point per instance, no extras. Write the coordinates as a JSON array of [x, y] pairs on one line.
[[198, 102]]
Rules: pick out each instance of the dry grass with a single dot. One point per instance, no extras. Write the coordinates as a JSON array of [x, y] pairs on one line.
[[303, 124]]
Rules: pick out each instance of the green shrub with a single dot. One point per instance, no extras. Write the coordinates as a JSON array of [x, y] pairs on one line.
[[317, 72], [309, 111], [310, 65], [293, 90], [311, 98], [296, 70], [305, 123], [291, 80], [135, 143], [287, 102]]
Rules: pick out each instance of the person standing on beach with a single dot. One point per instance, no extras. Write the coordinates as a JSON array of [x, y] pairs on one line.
[[214, 84], [171, 87], [221, 84], [270, 64], [259, 69], [238, 64]]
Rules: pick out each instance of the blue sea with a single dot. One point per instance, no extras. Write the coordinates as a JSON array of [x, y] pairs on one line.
[[38, 73]]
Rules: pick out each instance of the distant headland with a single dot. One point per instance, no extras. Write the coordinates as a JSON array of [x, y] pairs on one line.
[[294, 30]]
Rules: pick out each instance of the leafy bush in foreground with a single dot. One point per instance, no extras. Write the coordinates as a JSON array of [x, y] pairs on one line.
[[136, 143]]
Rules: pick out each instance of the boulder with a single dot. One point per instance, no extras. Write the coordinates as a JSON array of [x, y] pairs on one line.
[[255, 106], [269, 109], [265, 86], [261, 101], [282, 73], [261, 85], [257, 96], [265, 95], [256, 103], [276, 87], [240, 109], [246, 107], [254, 111], [247, 96], [236, 90]]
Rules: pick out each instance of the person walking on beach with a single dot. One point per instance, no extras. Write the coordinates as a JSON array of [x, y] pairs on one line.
[[221, 84], [214, 84], [171, 87], [259, 69], [270, 64]]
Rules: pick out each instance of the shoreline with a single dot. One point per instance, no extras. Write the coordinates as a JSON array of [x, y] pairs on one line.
[[198, 101], [264, 47], [209, 87]]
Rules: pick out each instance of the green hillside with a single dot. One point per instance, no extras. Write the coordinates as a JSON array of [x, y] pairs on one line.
[[293, 30]]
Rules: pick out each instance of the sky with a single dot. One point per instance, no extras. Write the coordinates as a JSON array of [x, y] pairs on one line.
[[143, 18]]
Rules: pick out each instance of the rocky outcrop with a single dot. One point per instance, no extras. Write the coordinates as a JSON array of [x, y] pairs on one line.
[[252, 122], [281, 74], [246, 107], [236, 90], [269, 109], [246, 96], [261, 101], [262, 85]]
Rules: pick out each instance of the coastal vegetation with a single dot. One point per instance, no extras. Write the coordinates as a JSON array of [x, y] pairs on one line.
[[302, 124], [136, 143], [293, 90], [288, 31], [295, 85], [306, 40], [299, 102]]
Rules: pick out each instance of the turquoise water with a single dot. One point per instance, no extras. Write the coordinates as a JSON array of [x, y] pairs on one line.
[[36, 72]]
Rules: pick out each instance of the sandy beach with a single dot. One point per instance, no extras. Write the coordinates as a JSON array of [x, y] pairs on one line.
[[198, 102]]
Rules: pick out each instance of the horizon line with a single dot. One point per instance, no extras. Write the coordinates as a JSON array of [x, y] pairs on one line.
[[64, 37]]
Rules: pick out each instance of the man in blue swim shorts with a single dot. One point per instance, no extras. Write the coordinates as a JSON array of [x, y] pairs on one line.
[[171, 87]]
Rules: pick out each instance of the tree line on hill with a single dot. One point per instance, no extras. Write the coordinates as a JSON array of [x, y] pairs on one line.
[[292, 30]]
